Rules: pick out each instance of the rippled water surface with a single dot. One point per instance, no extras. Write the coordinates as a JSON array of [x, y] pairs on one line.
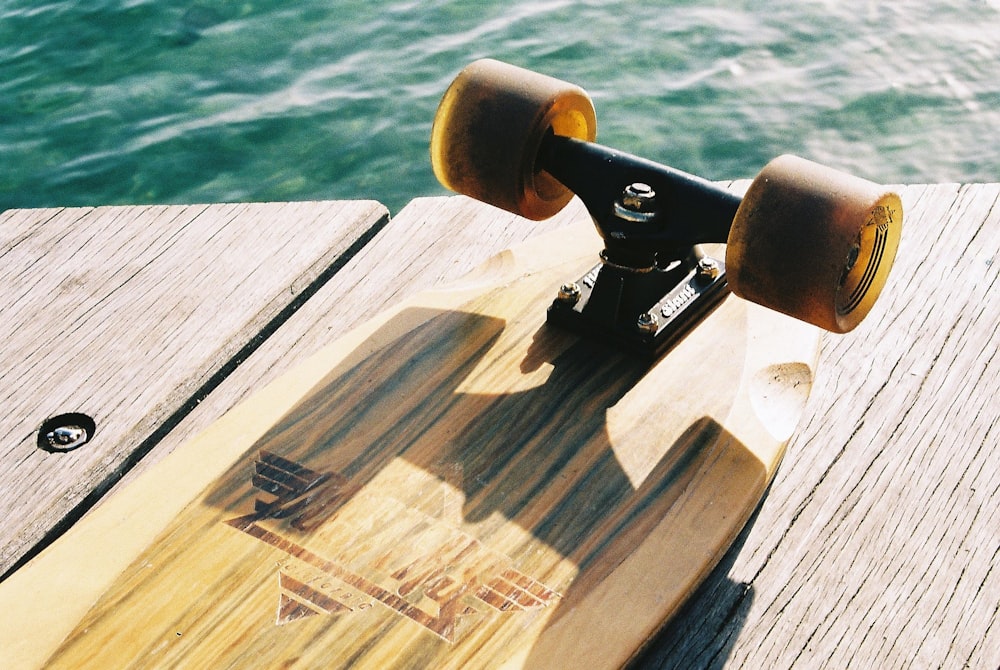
[[142, 101]]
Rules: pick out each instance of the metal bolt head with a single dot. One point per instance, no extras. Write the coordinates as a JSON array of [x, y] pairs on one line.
[[569, 293], [647, 323], [638, 197], [65, 432], [65, 438], [708, 268]]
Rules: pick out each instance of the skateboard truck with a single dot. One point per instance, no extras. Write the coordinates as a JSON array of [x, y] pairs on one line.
[[805, 240], [654, 281]]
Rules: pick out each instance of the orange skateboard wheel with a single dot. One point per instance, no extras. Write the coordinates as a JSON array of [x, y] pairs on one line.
[[813, 242], [488, 132]]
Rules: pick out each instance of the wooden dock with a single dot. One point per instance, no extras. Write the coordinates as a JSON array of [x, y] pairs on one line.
[[877, 546]]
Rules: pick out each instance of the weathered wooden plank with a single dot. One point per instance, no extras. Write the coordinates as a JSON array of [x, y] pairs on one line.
[[458, 437], [878, 545], [432, 241], [128, 315]]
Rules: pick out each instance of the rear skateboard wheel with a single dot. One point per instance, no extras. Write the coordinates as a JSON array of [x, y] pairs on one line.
[[489, 129], [813, 242]]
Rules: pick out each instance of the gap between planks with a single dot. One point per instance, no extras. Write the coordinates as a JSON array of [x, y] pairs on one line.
[[131, 315]]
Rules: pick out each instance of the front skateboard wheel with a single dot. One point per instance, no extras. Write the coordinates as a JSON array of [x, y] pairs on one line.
[[813, 242], [489, 129]]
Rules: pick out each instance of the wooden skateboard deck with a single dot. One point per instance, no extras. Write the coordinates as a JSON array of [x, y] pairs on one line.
[[456, 484], [460, 483]]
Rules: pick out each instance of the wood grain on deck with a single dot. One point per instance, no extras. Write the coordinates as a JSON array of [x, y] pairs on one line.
[[459, 449], [877, 545]]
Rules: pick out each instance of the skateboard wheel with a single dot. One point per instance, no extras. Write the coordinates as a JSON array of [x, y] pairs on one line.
[[489, 128], [813, 243]]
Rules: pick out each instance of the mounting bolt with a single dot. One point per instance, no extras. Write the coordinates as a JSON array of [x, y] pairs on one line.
[[647, 323], [637, 203], [569, 293], [708, 267]]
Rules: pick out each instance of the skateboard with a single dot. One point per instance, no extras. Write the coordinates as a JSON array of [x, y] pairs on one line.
[[532, 469]]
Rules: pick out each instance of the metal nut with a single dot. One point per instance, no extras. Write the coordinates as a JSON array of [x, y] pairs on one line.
[[708, 267], [637, 203], [647, 323], [638, 197], [569, 293]]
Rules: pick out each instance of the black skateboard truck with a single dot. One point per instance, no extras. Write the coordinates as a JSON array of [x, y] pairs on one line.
[[806, 240]]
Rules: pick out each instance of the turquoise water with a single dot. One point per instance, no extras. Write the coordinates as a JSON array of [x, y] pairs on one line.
[[143, 101]]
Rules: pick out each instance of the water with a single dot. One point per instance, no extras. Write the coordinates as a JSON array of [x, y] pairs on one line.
[[168, 101]]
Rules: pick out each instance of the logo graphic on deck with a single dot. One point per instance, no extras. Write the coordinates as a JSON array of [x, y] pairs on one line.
[[449, 587]]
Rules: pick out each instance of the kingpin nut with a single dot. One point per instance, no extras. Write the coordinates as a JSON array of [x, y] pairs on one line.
[[637, 203]]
